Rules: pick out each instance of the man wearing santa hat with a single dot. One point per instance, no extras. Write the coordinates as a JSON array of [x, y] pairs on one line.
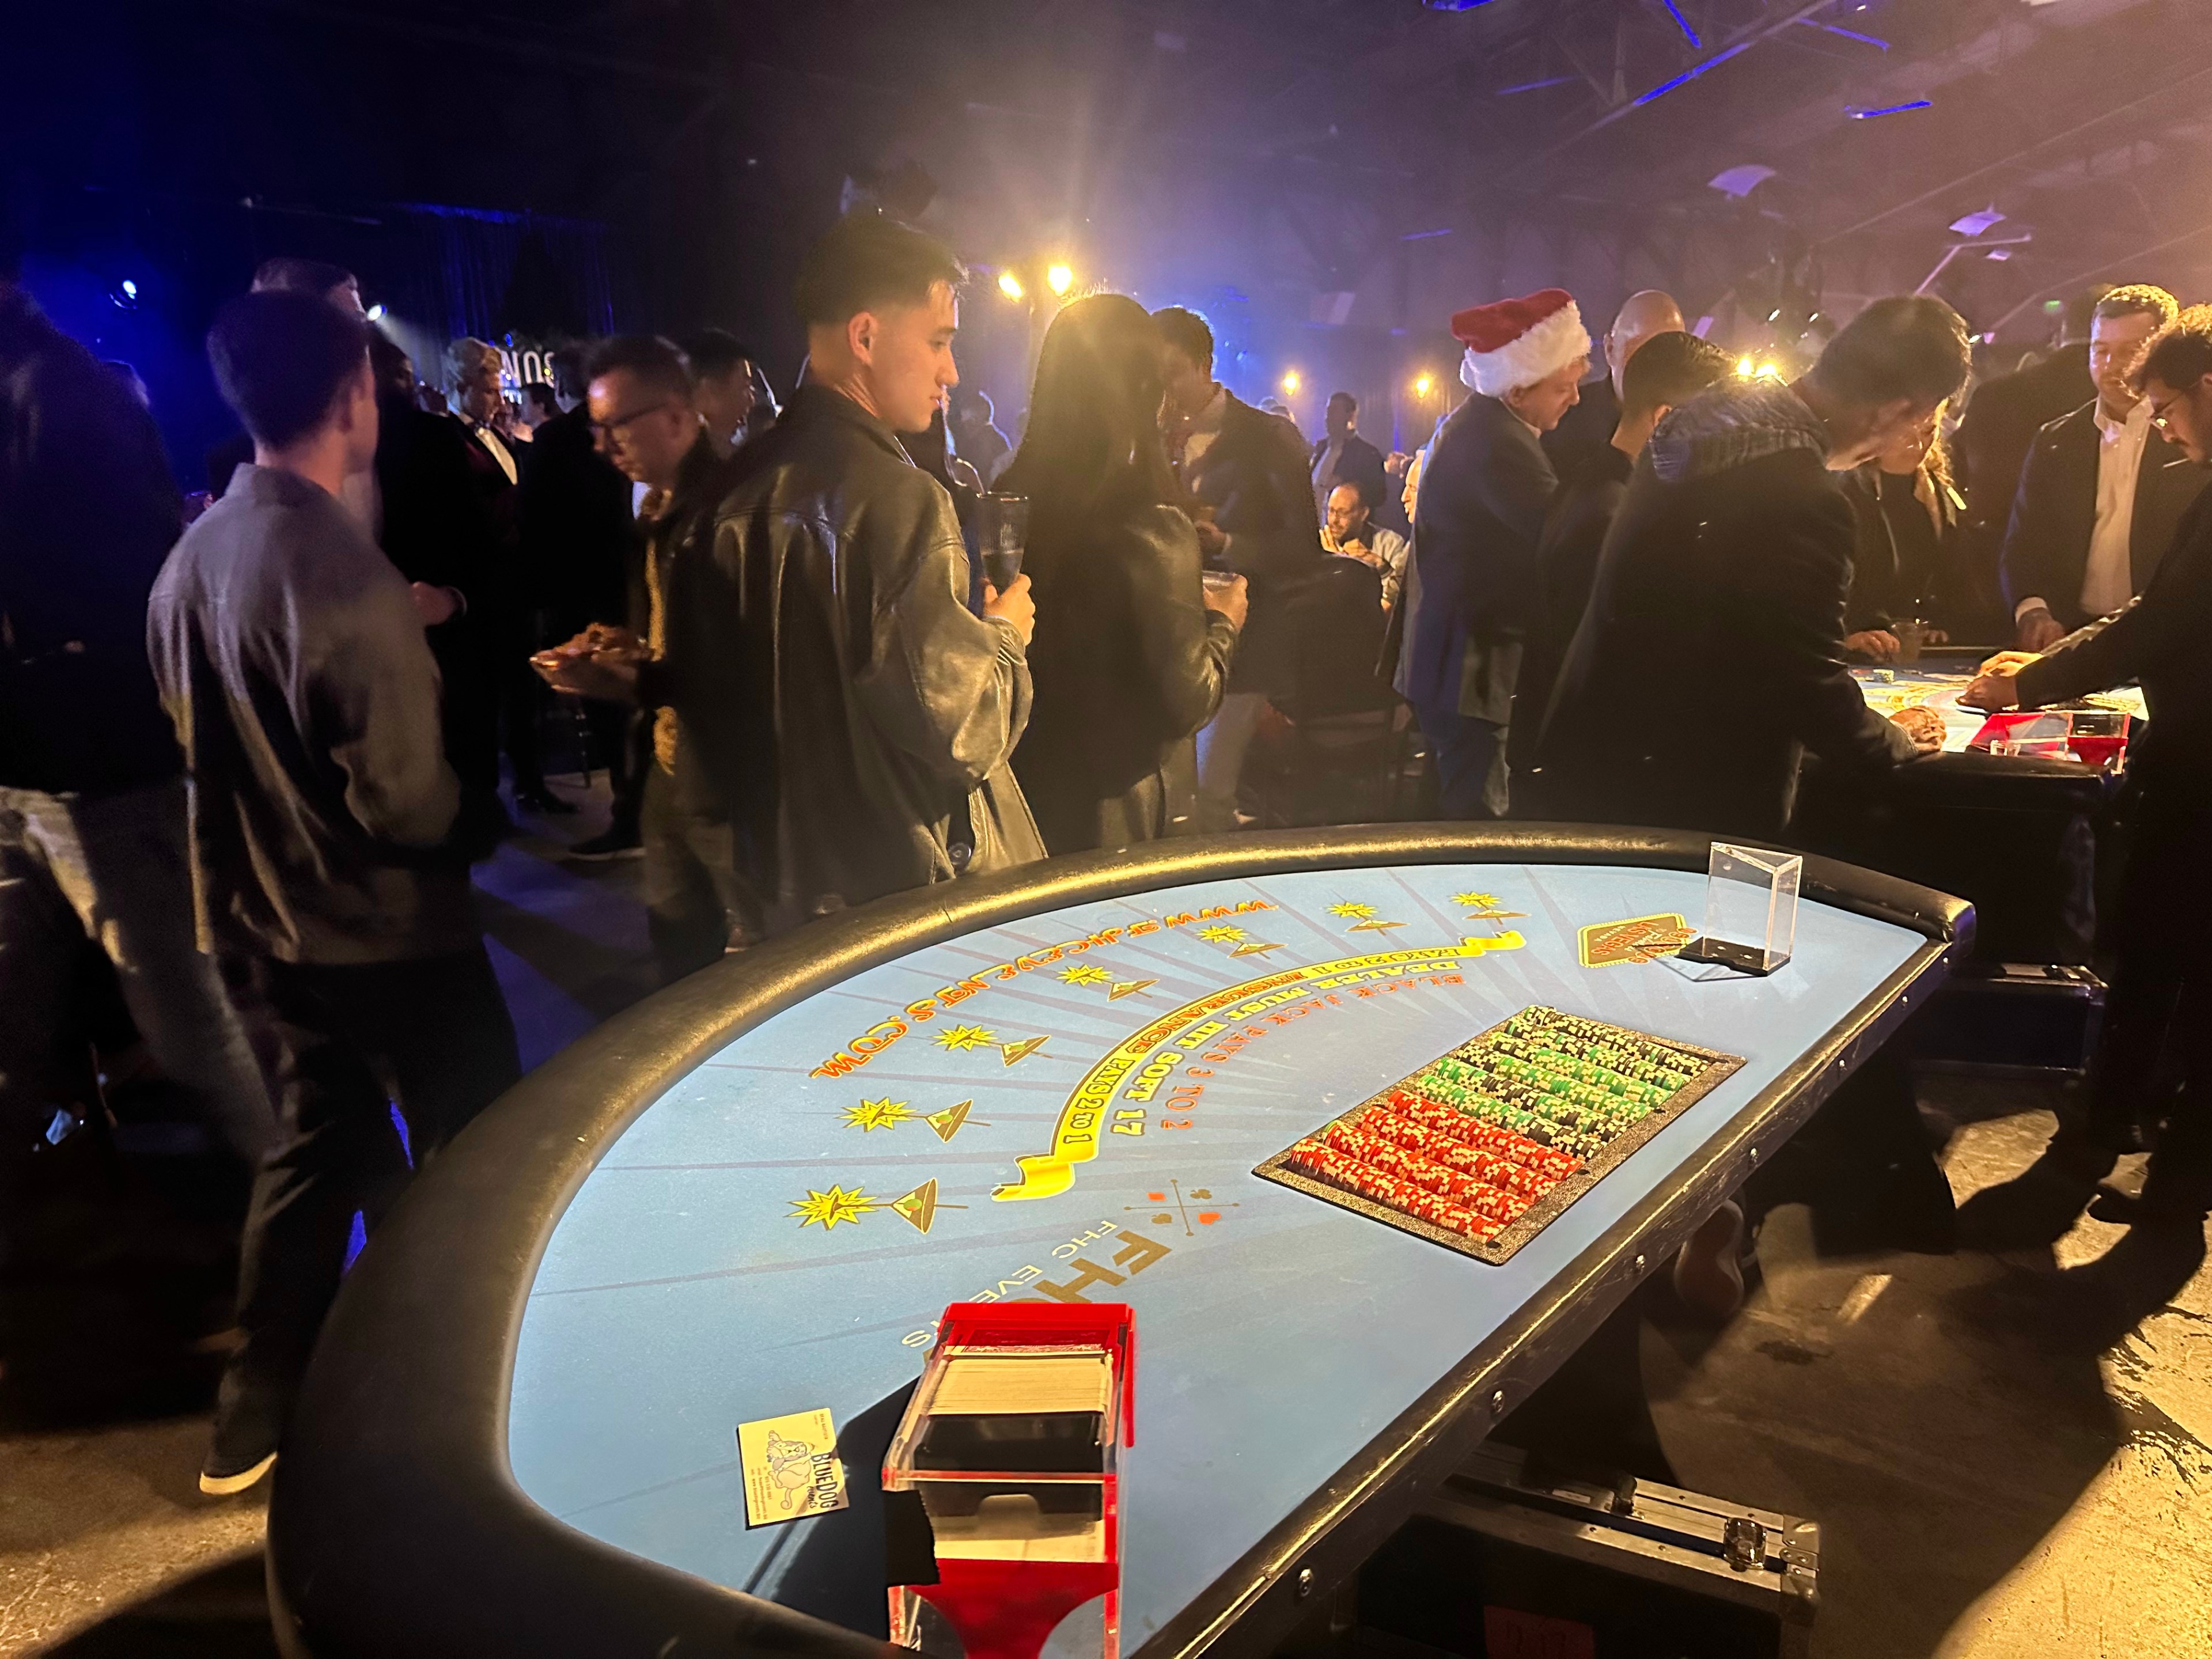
[[1472, 581]]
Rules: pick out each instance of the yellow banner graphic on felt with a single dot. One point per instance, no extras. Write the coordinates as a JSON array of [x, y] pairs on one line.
[[1075, 1137]]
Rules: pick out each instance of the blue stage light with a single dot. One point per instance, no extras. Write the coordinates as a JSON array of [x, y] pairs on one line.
[[129, 289], [1890, 109], [1676, 12], [376, 313]]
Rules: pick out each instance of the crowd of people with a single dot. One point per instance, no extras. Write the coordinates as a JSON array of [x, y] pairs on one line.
[[251, 763]]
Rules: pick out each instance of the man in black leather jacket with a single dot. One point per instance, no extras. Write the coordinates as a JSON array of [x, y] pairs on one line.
[[837, 696]]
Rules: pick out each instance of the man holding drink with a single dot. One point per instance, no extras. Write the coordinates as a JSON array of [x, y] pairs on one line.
[[837, 700]]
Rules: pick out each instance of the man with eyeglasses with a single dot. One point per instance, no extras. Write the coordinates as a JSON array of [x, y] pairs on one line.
[[647, 421], [2161, 992]]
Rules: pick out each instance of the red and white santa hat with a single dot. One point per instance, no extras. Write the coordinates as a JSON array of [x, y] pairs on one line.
[[1516, 342]]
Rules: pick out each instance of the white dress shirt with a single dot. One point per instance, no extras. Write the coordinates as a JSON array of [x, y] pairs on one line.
[[2108, 579]]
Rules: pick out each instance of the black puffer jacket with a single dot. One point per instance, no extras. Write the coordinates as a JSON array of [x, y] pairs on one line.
[[839, 700], [1128, 665], [1731, 554], [88, 513]]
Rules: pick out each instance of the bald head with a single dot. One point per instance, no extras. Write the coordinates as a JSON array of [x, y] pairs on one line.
[[1642, 316]]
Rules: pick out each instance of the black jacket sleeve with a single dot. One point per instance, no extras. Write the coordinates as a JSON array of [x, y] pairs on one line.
[[1277, 532], [2152, 633], [1796, 591], [1184, 650], [2036, 560]]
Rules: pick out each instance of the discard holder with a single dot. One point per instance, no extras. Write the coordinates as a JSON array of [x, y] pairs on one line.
[[1751, 909], [1011, 1443]]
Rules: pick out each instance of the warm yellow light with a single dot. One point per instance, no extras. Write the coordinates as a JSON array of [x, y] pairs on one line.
[[1059, 278], [1290, 383], [1010, 285], [1423, 385], [1770, 371], [1746, 367]]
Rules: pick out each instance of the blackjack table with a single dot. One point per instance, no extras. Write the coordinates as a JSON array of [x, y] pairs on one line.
[[756, 1193]]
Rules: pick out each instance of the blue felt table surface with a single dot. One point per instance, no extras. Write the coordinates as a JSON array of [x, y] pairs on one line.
[[684, 1292]]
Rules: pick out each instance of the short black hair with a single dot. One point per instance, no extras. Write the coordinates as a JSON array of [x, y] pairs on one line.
[[1345, 398], [2139, 300], [715, 352], [866, 260], [1911, 346], [281, 358], [1188, 333], [540, 392], [1668, 369], [2179, 355], [1360, 487], [656, 362], [286, 275]]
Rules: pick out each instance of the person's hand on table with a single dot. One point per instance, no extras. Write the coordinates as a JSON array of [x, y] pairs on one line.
[[1232, 599], [1877, 643], [1993, 692], [1922, 725], [2040, 630], [1014, 606], [2008, 662], [433, 605], [1212, 539], [1934, 636]]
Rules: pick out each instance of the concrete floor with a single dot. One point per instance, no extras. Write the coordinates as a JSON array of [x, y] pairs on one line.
[[1993, 1476]]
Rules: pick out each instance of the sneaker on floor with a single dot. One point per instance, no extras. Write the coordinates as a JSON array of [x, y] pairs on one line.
[[249, 1422], [224, 1477], [613, 844]]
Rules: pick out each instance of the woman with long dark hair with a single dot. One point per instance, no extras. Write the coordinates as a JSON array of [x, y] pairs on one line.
[[1131, 648]]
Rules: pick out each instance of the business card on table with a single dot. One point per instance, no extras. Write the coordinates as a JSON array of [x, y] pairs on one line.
[[791, 1467]]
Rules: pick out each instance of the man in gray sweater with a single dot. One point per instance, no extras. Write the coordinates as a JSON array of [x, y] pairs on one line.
[[291, 659]]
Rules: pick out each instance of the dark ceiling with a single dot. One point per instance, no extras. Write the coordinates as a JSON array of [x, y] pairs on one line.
[[1369, 164]]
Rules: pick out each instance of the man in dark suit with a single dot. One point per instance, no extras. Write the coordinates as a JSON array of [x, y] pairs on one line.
[[1344, 457], [1584, 435], [2098, 499], [513, 626], [1247, 469], [577, 534], [431, 522], [1675, 368], [2161, 994], [2007, 411], [1471, 586], [1732, 551]]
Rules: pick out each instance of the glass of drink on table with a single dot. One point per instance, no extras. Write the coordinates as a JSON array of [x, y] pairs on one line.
[[1911, 632], [1002, 531]]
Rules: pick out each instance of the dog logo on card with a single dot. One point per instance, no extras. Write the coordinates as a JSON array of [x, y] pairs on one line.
[[791, 1467]]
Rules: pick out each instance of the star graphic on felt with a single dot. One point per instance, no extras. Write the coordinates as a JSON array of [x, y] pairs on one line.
[[1481, 901], [877, 1115], [1085, 973], [1221, 935], [956, 1038], [826, 1210], [1354, 912]]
